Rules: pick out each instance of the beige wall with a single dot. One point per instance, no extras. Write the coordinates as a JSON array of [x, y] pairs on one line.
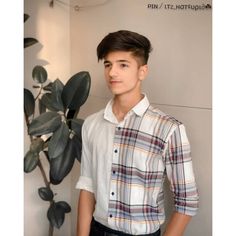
[[51, 26], [179, 81]]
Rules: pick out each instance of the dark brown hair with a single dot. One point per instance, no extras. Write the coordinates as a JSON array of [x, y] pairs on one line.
[[124, 40]]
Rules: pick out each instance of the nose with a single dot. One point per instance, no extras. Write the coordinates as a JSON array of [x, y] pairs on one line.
[[112, 71]]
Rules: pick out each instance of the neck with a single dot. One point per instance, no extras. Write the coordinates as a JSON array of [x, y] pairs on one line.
[[122, 105]]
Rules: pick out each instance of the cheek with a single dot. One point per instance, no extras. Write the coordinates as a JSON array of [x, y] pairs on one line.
[[140, 74], [133, 81], [106, 74], [135, 76]]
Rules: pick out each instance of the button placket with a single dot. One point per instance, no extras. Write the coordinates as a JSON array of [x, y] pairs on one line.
[[113, 186]]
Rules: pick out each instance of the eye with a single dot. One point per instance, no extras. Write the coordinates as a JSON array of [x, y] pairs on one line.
[[107, 65], [123, 65]]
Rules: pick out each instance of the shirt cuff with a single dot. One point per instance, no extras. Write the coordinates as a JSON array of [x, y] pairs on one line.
[[85, 183], [188, 208]]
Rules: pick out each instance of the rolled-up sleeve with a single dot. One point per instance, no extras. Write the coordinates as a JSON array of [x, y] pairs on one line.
[[85, 180], [180, 173]]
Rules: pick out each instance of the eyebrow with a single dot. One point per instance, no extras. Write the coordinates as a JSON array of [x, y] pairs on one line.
[[126, 61]]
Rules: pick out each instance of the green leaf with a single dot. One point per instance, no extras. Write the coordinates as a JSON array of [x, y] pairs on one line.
[[29, 103], [46, 155], [26, 17], [62, 165], [64, 205], [45, 193], [77, 142], [56, 215], [30, 161], [57, 88], [76, 90], [71, 114], [45, 123], [58, 141], [55, 181], [39, 74], [48, 87], [42, 107], [76, 126], [37, 145], [47, 102], [53, 100], [29, 42]]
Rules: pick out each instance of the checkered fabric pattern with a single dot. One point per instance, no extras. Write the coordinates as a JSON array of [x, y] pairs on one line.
[[146, 147]]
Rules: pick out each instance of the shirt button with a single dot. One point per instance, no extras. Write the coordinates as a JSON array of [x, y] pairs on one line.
[[110, 215], [116, 151], [112, 193], [113, 171]]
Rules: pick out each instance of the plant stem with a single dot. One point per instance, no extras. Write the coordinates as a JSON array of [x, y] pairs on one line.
[[41, 87], [43, 174], [47, 183], [50, 230]]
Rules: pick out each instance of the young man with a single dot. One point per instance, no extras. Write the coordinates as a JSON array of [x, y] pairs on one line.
[[128, 149]]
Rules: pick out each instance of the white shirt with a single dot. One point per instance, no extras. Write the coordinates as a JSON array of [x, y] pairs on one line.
[[124, 165]]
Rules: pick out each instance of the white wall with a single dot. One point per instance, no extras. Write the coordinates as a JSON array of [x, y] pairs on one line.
[[179, 81], [51, 26]]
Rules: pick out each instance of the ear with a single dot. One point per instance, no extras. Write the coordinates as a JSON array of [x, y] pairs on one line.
[[143, 71]]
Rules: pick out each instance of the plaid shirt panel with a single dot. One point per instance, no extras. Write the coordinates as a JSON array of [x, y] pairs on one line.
[[146, 148]]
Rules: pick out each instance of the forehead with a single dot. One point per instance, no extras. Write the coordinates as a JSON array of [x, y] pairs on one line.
[[120, 56]]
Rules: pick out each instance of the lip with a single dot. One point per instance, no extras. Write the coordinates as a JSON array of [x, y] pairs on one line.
[[114, 81]]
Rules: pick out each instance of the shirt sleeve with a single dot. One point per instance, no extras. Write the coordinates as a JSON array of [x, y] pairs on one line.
[[85, 180], [180, 172]]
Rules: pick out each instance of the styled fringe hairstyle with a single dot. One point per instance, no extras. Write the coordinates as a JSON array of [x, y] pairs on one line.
[[124, 40]]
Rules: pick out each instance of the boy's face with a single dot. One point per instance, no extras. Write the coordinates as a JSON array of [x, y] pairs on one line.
[[123, 73]]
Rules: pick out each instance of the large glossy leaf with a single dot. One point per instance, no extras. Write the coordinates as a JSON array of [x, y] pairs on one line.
[[71, 114], [76, 90], [48, 87], [55, 181], [57, 88], [46, 155], [77, 142], [45, 193], [39, 74], [62, 165], [76, 126], [26, 17], [37, 145], [47, 102], [42, 107], [56, 215], [29, 42], [58, 141], [53, 100], [30, 161], [29, 103], [65, 206], [45, 123]]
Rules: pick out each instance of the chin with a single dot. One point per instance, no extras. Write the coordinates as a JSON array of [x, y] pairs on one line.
[[115, 92]]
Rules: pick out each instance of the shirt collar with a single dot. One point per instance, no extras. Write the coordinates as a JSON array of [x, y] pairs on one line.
[[142, 106], [139, 109]]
